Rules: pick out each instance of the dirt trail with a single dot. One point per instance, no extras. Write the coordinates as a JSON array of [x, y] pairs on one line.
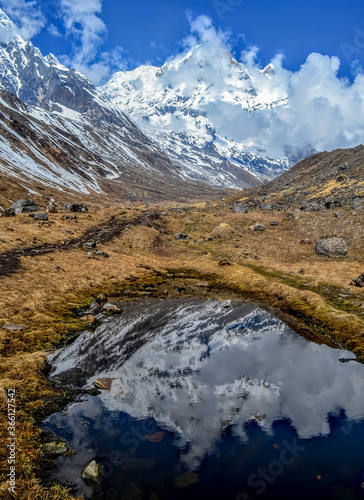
[[10, 261]]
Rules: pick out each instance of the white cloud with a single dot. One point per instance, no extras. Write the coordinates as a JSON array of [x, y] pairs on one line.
[[54, 31], [317, 110], [27, 15], [87, 31]]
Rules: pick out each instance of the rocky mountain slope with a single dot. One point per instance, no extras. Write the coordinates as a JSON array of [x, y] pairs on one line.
[[322, 181], [190, 107], [65, 135]]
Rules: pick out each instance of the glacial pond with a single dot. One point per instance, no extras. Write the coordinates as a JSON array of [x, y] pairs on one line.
[[209, 400]]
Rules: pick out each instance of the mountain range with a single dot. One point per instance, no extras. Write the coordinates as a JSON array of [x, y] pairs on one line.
[[138, 136]]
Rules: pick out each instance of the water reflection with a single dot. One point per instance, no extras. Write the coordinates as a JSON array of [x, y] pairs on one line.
[[195, 368], [199, 366]]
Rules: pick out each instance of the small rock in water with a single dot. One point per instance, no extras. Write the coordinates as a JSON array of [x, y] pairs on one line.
[[103, 383], [14, 328], [55, 448], [92, 391], [156, 437], [92, 472], [186, 479], [90, 319], [111, 308]]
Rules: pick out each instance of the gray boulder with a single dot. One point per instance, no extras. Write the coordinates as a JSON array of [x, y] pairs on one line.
[[40, 216], [240, 208], [357, 203], [24, 207], [332, 246], [258, 227]]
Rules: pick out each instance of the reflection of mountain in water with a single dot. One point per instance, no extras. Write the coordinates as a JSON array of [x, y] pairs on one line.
[[198, 366]]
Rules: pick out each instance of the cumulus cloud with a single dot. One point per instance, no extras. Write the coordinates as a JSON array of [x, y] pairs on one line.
[[87, 32], [27, 15], [277, 111]]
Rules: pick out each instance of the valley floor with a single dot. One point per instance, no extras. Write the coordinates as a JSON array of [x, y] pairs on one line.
[[49, 275]]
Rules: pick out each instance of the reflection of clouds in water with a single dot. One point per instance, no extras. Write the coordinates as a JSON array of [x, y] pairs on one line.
[[209, 366]]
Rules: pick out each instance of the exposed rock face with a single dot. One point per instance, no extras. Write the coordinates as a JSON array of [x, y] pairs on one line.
[[57, 130], [24, 206], [316, 183], [332, 246], [359, 281]]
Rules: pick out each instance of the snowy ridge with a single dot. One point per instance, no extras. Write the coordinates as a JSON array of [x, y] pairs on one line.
[[64, 109], [181, 106]]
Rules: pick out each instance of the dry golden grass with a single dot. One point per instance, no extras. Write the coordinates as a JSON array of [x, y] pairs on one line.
[[42, 292]]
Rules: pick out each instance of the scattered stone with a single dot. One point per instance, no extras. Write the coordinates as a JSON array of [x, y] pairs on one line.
[[92, 472], [9, 212], [338, 214], [273, 223], [102, 254], [257, 227], [179, 289], [52, 207], [90, 244], [358, 282], [157, 437], [101, 299], [41, 216], [332, 246], [90, 319], [14, 328], [224, 262], [164, 214], [357, 203], [301, 271], [181, 236], [305, 242], [24, 206], [57, 449], [288, 217], [186, 479], [240, 208], [202, 284], [78, 207]]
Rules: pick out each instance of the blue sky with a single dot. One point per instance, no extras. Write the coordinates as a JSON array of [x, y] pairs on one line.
[[103, 36]]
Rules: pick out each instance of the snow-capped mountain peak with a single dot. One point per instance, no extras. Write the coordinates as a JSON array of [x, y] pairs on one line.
[[189, 106]]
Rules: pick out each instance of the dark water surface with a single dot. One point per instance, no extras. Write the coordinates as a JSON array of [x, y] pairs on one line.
[[223, 401]]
